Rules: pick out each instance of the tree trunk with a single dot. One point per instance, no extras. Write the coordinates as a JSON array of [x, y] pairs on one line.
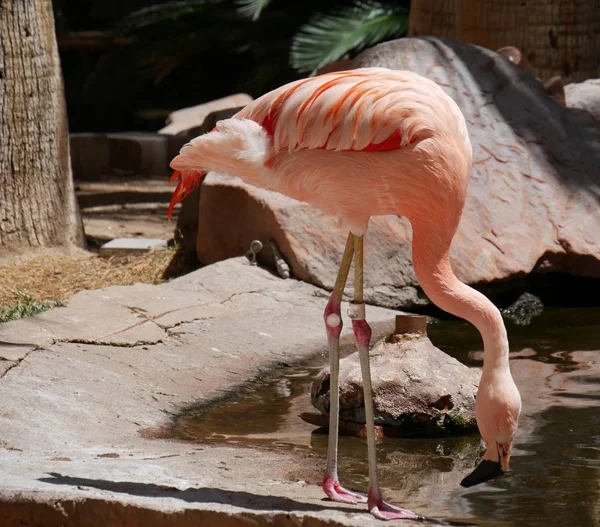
[[556, 37], [37, 199]]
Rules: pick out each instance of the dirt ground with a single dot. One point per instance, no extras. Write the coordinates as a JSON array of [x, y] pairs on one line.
[[114, 208]]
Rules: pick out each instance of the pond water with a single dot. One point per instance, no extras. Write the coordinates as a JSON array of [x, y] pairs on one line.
[[554, 478]]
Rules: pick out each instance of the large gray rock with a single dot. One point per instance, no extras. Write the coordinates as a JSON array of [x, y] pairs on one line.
[[417, 388], [533, 198], [535, 187]]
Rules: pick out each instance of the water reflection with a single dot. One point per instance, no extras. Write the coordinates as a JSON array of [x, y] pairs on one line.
[[555, 477], [555, 467]]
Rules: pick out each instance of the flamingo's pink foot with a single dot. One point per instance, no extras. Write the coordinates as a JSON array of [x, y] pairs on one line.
[[384, 511], [335, 492]]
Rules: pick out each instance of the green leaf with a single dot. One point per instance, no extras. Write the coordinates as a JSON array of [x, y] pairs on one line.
[[24, 307], [330, 37], [251, 8]]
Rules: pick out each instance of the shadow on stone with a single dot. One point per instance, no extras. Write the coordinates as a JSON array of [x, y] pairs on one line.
[[192, 495]]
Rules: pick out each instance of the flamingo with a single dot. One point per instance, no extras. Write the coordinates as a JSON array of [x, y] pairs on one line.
[[355, 144]]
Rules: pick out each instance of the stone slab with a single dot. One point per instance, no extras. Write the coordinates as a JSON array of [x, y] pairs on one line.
[[6, 365], [14, 352], [114, 363], [124, 246]]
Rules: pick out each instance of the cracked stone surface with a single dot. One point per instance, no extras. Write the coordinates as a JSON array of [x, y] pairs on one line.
[[80, 384]]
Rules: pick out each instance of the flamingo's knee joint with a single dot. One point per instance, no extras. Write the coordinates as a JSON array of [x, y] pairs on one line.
[[333, 319]]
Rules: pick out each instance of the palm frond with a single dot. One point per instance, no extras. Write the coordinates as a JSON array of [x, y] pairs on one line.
[[251, 8], [330, 37], [161, 13], [168, 35], [158, 58]]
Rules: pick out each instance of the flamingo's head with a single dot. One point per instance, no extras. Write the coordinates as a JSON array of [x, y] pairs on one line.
[[497, 407]]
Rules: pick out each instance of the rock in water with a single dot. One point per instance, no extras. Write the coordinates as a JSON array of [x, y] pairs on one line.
[[522, 310], [417, 388]]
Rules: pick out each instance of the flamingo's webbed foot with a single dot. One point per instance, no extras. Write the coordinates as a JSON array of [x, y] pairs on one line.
[[335, 492], [384, 511]]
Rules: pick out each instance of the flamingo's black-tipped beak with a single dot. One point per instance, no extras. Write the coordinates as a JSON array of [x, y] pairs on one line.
[[485, 471], [495, 463]]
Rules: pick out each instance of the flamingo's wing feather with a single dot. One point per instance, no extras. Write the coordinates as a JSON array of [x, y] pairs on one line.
[[366, 110], [369, 109]]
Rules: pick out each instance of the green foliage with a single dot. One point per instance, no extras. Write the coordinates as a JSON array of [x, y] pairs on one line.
[[172, 33], [26, 306], [169, 35], [252, 8], [161, 13], [330, 37], [184, 52]]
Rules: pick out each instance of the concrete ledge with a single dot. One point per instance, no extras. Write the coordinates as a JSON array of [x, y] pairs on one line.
[[98, 156]]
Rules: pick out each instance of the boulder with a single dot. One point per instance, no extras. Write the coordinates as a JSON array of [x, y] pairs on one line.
[[523, 310], [532, 204], [535, 187], [417, 388], [182, 120]]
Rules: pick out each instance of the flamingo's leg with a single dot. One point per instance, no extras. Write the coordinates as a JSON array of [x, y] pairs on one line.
[[362, 333], [333, 324]]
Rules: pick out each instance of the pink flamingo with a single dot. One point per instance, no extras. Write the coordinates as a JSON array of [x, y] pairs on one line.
[[356, 144]]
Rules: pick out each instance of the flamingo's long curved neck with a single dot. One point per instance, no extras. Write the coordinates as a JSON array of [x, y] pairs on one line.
[[431, 260]]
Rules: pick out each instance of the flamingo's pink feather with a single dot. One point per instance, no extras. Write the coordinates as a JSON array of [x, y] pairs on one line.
[[370, 109]]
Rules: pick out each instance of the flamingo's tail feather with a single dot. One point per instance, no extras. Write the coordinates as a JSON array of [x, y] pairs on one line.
[[185, 186], [239, 147]]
